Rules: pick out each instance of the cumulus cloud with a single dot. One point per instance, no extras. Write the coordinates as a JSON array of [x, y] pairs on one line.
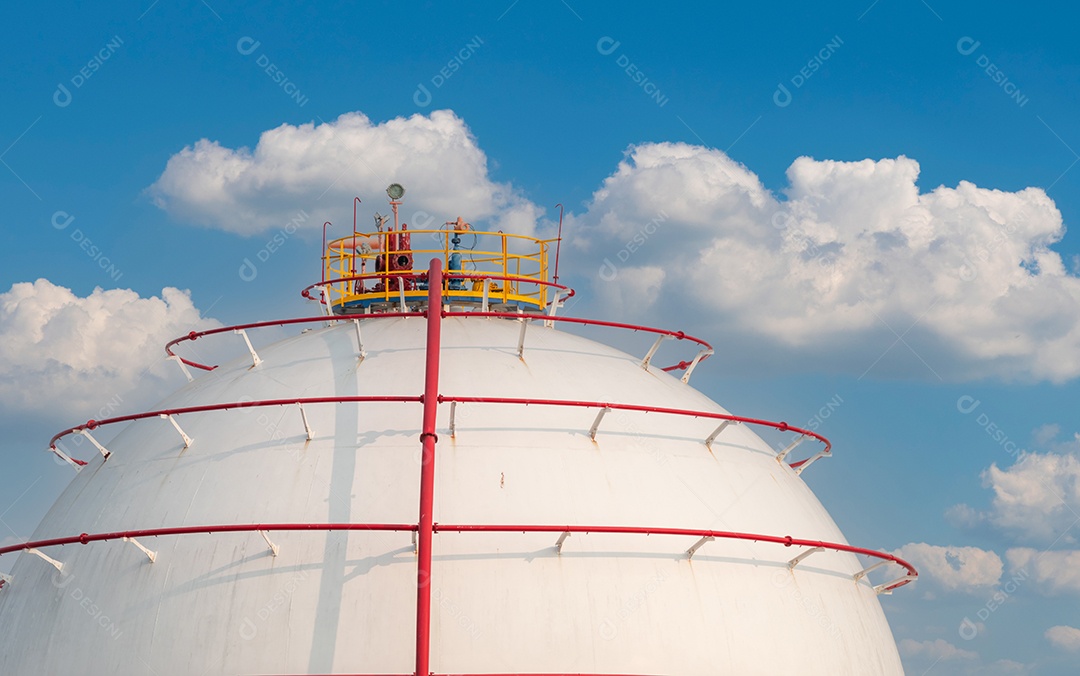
[[849, 268], [1037, 497], [940, 656], [854, 260], [963, 569], [1064, 637], [319, 168], [1053, 572], [939, 649], [66, 354]]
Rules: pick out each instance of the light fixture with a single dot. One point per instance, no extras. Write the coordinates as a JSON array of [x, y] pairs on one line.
[[395, 191]]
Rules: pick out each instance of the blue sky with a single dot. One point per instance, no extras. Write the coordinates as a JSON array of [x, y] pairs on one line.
[[925, 230]]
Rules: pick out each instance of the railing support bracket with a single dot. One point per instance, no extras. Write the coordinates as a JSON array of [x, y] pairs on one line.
[[652, 350], [65, 457], [274, 549], [596, 422], [790, 447], [862, 573], [521, 338], [359, 341], [303, 416], [693, 365], [560, 541], [183, 367], [712, 437], [698, 545], [105, 453], [798, 559], [255, 361], [170, 418], [46, 558], [811, 460], [149, 554]]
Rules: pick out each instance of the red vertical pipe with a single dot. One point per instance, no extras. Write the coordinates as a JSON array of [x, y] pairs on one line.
[[427, 471], [558, 247]]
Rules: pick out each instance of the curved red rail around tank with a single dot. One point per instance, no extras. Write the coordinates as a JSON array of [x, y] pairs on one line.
[[909, 575], [360, 399]]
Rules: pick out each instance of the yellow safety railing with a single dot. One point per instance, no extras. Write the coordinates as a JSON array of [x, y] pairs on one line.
[[369, 269]]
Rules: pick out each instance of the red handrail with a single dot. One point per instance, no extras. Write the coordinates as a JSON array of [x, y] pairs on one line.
[[94, 424], [782, 426], [87, 538], [195, 335], [786, 540]]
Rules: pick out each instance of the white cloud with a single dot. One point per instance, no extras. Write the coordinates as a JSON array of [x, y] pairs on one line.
[[1052, 572], [1038, 496], [65, 354], [319, 168], [944, 657], [1064, 637], [1004, 667], [964, 569], [964, 516], [1046, 434], [854, 250], [939, 649], [853, 257]]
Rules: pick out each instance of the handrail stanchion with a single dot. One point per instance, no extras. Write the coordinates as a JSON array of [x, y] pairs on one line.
[[183, 367], [506, 283]]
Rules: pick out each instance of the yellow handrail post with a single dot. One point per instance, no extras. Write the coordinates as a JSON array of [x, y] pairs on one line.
[[505, 267]]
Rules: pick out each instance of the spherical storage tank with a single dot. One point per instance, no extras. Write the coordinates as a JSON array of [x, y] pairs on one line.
[[436, 476]]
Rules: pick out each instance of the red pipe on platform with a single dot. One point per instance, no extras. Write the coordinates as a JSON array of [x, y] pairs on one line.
[[427, 470]]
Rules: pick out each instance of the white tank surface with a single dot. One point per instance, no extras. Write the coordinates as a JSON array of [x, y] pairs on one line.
[[584, 520]]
